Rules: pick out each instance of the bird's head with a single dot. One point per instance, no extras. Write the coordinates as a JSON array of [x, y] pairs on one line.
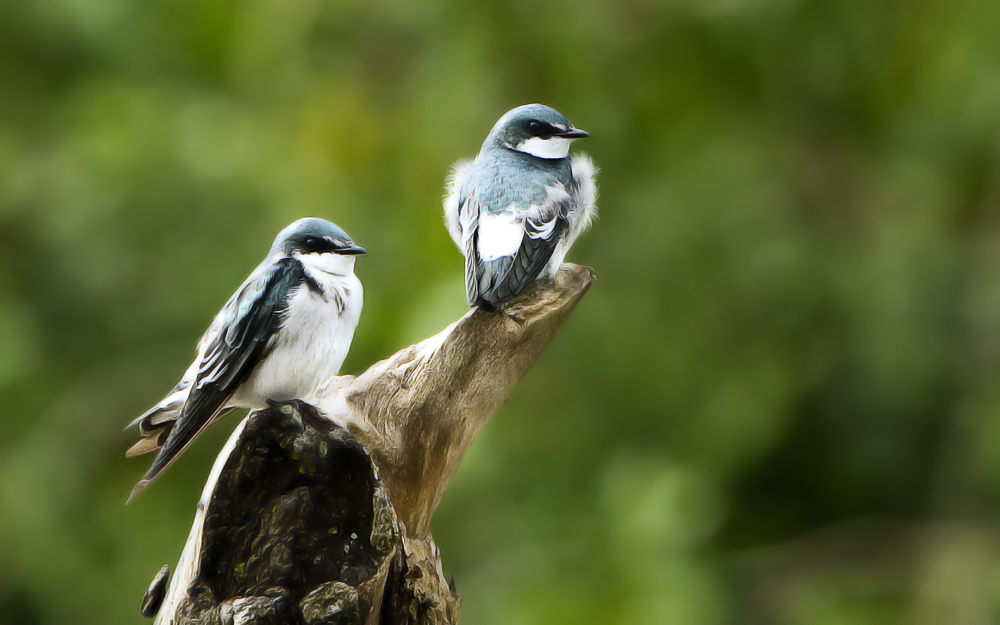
[[535, 129], [318, 242]]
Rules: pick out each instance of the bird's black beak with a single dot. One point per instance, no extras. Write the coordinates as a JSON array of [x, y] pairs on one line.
[[574, 133], [352, 251]]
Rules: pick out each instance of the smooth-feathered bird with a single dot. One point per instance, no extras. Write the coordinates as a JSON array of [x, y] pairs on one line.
[[515, 210], [281, 335]]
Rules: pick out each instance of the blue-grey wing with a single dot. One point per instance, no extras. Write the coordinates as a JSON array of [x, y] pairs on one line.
[[505, 277], [490, 283], [468, 219], [249, 321]]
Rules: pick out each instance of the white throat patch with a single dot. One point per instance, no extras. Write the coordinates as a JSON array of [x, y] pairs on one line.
[[553, 147], [329, 262]]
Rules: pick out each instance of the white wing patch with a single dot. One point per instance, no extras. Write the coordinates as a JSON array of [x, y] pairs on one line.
[[541, 229], [499, 235], [540, 220]]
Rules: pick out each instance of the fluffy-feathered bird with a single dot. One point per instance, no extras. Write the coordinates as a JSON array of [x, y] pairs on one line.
[[281, 335], [515, 210]]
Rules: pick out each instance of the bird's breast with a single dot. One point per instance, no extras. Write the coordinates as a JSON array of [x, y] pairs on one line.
[[314, 338]]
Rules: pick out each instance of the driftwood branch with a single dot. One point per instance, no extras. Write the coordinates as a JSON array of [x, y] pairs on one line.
[[320, 512]]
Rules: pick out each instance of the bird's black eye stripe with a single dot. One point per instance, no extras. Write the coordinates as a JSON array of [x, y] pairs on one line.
[[540, 129], [321, 245]]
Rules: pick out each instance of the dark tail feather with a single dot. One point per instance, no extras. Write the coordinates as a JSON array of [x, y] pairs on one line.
[[141, 486], [490, 282], [168, 454], [176, 442]]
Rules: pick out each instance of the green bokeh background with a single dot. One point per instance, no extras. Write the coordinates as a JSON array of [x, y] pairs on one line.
[[780, 402]]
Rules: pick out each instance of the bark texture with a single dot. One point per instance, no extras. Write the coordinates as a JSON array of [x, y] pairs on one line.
[[319, 512]]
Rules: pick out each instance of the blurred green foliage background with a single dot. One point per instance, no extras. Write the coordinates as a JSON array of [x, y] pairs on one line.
[[780, 402]]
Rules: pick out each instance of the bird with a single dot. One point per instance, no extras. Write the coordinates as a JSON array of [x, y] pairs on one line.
[[516, 208], [281, 335]]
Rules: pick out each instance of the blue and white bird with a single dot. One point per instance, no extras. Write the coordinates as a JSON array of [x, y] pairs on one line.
[[281, 335], [515, 210]]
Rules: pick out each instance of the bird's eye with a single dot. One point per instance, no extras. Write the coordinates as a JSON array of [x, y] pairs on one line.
[[535, 128], [311, 244]]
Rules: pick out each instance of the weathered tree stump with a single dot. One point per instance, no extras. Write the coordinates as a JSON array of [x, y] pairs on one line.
[[320, 512]]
